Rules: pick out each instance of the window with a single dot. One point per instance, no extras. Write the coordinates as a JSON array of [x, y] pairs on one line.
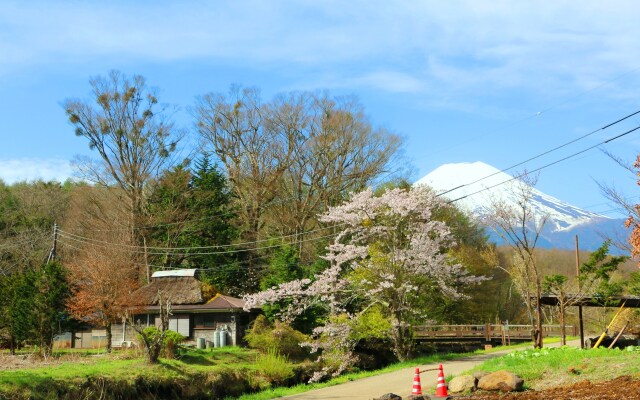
[[180, 324], [204, 321]]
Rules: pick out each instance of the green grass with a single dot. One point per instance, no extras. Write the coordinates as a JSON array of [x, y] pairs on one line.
[[565, 365], [126, 366]]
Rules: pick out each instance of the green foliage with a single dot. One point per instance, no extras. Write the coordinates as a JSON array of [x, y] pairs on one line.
[[601, 264], [171, 341], [191, 209], [371, 324], [49, 300], [278, 336], [633, 285], [554, 283], [284, 267], [168, 340], [33, 305], [275, 367]]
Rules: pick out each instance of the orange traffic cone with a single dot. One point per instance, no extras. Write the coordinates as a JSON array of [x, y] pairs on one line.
[[441, 387], [417, 388]]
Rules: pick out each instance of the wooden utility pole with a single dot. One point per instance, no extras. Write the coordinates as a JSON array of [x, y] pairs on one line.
[[579, 289], [52, 253]]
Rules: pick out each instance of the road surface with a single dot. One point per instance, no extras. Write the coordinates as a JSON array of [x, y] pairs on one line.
[[399, 382]]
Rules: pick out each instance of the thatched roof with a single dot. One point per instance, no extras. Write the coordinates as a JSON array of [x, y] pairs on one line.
[[178, 290]]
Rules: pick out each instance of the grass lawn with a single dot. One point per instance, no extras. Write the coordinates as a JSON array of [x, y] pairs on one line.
[[124, 367], [552, 367]]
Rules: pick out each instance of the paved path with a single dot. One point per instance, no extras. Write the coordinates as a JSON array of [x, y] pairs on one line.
[[399, 382]]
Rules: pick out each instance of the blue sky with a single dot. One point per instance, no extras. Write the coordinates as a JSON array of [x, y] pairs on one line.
[[497, 81]]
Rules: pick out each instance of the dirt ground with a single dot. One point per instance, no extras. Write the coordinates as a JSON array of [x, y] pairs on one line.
[[623, 387]]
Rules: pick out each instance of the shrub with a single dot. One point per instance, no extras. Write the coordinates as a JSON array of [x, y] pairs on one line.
[[275, 367], [169, 343], [279, 337]]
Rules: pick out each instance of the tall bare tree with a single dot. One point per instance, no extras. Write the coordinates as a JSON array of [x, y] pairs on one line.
[[518, 225], [338, 151], [254, 154], [128, 128], [290, 158]]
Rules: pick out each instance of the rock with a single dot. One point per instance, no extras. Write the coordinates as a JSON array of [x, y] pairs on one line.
[[389, 396], [501, 380], [462, 383], [480, 374], [417, 397]]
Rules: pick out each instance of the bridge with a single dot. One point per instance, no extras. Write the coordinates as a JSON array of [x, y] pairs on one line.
[[494, 334]]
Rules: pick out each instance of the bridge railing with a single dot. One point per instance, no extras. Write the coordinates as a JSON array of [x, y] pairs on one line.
[[487, 331]]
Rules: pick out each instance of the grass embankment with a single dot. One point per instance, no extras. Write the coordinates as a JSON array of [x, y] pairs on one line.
[[195, 374], [216, 373], [552, 367]]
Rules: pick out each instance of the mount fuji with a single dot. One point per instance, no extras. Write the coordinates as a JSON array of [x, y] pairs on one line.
[[476, 186]]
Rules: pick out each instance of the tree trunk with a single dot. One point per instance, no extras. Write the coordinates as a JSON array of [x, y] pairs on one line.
[[563, 331], [107, 327], [12, 345], [538, 330]]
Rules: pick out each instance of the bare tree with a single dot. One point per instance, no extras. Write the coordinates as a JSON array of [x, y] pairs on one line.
[[152, 337], [254, 154], [100, 256], [124, 123], [292, 157], [337, 151], [518, 225]]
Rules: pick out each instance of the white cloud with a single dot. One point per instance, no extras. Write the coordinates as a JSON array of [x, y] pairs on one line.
[[30, 169], [463, 46]]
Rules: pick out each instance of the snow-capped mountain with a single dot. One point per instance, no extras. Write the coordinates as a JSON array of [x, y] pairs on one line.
[[477, 186]]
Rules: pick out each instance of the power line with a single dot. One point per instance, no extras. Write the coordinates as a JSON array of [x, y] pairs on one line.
[[140, 250], [543, 153], [221, 246], [547, 165], [544, 111]]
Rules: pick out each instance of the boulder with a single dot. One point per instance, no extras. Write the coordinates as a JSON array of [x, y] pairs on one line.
[[504, 381], [462, 383], [389, 396], [480, 374]]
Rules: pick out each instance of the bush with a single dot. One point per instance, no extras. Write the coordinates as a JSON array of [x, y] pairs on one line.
[[280, 337], [275, 367], [169, 343]]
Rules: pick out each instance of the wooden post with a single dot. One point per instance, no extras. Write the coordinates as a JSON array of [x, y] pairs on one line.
[[580, 321]]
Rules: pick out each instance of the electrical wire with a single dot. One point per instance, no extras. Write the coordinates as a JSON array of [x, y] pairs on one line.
[[542, 154], [222, 246], [139, 250], [546, 166]]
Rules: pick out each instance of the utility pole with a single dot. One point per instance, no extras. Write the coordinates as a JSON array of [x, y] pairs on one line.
[[52, 253], [579, 289]]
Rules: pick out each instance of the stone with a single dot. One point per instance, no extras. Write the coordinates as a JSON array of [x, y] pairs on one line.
[[504, 381], [389, 396], [417, 397], [462, 383], [480, 374]]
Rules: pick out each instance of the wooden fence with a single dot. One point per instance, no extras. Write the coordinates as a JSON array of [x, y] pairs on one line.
[[488, 333]]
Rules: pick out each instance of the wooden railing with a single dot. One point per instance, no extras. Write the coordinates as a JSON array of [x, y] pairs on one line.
[[486, 333]]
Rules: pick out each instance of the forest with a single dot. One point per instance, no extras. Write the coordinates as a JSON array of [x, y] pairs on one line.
[[297, 203]]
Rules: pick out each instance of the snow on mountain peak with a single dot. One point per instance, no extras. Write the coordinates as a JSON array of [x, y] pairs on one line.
[[476, 186]]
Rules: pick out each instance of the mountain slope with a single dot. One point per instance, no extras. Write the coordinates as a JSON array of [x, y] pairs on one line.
[[476, 186]]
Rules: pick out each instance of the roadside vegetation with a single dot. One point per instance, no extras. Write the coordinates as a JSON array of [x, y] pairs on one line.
[[552, 367]]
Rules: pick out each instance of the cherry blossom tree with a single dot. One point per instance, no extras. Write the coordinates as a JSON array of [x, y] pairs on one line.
[[389, 253]]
